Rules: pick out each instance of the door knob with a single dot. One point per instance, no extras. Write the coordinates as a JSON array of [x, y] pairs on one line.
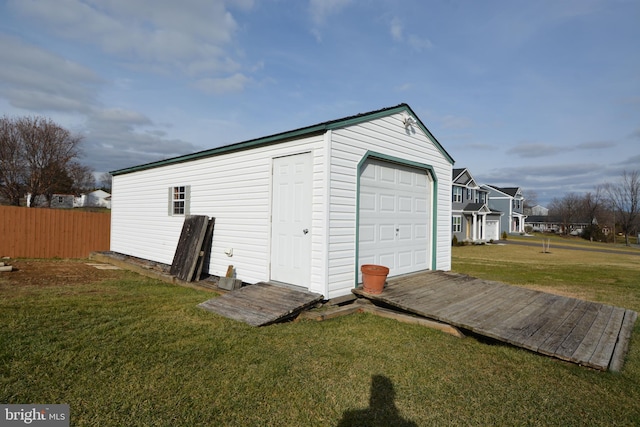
[[305, 231]]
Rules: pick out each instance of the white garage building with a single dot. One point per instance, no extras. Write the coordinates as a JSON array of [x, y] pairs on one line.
[[305, 207]]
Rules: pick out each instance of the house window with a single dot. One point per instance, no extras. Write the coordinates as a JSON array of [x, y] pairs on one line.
[[456, 224], [60, 199], [457, 194], [179, 200]]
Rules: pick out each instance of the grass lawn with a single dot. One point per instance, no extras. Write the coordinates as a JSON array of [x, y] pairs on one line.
[[132, 351]]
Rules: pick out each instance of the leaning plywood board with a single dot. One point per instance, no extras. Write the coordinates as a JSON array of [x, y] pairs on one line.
[[187, 254]]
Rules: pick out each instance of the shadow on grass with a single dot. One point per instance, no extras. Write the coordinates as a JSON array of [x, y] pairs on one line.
[[382, 410]]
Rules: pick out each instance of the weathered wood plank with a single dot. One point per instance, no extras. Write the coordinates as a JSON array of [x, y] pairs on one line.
[[487, 294], [484, 314], [604, 350], [205, 250], [620, 351], [261, 304], [189, 246], [573, 339], [587, 347], [567, 328], [547, 322]]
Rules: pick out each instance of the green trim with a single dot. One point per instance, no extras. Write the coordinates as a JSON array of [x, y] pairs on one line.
[[286, 136], [434, 200]]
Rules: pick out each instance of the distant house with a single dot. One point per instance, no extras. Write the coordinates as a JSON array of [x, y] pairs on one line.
[[94, 199], [536, 210], [62, 201], [544, 223], [509, 201], [58, 201], [471, 218]]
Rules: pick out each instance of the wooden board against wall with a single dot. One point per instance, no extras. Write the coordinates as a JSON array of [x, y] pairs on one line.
[[188, 252]]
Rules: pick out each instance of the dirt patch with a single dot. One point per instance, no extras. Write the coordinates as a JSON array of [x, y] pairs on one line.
[[55, 273]]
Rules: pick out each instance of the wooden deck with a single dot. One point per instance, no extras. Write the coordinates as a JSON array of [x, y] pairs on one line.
[[588, 333], [261, 304]]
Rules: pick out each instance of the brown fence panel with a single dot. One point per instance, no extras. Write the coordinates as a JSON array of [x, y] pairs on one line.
[[50, 233]]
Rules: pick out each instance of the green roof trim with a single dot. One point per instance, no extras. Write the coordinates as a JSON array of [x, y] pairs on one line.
[[287, 136]]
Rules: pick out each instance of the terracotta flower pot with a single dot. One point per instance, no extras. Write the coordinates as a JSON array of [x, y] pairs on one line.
[[373, 278]]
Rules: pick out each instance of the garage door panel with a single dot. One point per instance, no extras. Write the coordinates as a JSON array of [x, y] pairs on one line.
[[368, 234], [405, 204], [405, 259], [420, 257], [386, 175], [421, 205], [387, 203], [387, 233], [387, 259], [367, 201], [421, 231], [405, 232], [401, 217]]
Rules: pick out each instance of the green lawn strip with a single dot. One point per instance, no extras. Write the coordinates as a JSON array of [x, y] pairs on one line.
[[139, 352], [575, 241]]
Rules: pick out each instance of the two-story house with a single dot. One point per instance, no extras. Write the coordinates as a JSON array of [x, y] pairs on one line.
[[509, 201], [471, 217]]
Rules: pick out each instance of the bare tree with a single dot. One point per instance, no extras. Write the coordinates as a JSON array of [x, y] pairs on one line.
[[592, 210], [82, 177], [567, 209], [39, 157], [625, 200], [105, 181], [12, 162], [49, 150]]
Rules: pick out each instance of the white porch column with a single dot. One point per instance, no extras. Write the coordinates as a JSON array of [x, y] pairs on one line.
[[474, 226], [484, 227]]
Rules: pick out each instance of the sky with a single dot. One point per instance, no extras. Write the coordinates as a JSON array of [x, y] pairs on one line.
[[538, 94]]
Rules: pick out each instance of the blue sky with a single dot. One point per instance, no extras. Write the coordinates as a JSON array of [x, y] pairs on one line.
[[544, 95]]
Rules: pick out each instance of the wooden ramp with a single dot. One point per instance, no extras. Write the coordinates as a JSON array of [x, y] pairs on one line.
[[261, 304], [588, 333]]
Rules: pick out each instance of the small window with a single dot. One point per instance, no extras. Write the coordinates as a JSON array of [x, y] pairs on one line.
[[456, 224], [59, 199], [179, 200], [457, 194]]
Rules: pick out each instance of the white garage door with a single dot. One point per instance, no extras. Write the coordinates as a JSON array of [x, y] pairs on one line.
[[493, 230], [395, 220]]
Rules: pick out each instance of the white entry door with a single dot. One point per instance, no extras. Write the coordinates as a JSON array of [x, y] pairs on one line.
[[291, 220], [395, 220]]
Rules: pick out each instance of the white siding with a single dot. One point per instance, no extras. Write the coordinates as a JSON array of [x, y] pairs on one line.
[[386, 136], [234, 188]]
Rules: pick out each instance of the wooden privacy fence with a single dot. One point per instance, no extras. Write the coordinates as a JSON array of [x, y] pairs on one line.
[[50, 233]]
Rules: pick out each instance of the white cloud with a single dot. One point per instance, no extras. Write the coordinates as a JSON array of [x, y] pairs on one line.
[[396, 29], [34, 79], [321, 9], [191, 36], [417, 43]]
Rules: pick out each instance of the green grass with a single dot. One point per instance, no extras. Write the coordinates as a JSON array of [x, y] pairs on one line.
[[135, 351]]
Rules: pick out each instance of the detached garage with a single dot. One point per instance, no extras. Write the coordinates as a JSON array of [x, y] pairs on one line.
[[305, 207]]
